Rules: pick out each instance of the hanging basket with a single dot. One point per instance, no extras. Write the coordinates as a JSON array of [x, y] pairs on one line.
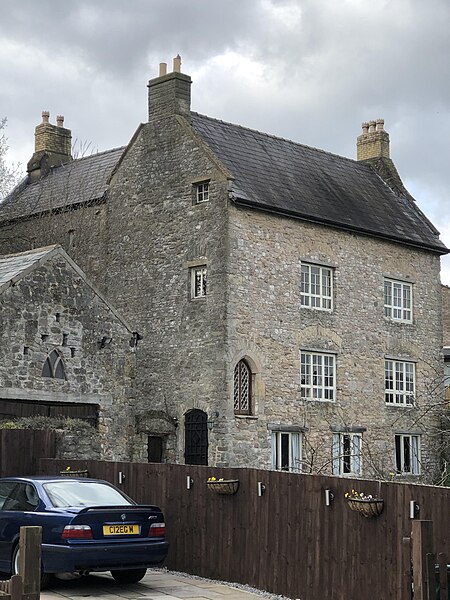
[[77, 473], [225, 486], [367, 508]]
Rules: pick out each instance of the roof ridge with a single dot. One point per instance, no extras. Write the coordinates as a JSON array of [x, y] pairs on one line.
[[282, 139], [40, 250]]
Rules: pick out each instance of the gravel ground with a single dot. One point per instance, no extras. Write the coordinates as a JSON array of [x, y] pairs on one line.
[[239, 586]]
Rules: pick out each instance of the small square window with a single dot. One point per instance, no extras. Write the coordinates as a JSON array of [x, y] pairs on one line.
[[202, 192], [198, 281]]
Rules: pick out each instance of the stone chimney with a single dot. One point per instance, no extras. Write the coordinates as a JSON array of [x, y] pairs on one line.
[[170, 93], [372, 147], [52, 147], [374, 141]]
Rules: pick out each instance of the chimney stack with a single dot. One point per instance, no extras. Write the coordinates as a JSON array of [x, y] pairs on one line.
[[52, 147], [373, 142], [170, 93]]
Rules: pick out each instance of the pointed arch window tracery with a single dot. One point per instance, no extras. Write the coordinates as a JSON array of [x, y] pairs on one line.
[[242, 388], [54, 366]]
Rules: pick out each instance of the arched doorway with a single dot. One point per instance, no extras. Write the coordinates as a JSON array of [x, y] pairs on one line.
[[196, 437]]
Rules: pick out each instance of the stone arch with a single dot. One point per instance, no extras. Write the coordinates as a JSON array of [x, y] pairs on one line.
[[257, 388]]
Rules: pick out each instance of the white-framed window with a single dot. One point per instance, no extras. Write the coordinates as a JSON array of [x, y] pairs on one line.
[[407, 454], [198, 281], [346, 453], [317, 376], [202, 192], [287, 451], [398, 300], [316, 288], [400, 382]]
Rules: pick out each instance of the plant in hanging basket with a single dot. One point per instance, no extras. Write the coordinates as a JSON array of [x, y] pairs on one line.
[[223, 486], [367, 505], [68, 472]]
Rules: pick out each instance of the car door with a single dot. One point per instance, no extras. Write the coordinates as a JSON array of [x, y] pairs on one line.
[[18, 500]]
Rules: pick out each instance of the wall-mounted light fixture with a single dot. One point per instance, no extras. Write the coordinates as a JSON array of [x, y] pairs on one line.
[[261, 488], [329, 497], [135, 338], [414, 509], [121, 477], [104, 341], [212, 419], [189, 482]]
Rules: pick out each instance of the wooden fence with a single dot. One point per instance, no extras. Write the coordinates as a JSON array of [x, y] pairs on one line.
[[287, 540], [21, 450], [25, 585]]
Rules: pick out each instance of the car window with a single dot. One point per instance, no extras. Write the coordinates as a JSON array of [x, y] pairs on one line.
[[6, 488], [88, 493], [23, 496]]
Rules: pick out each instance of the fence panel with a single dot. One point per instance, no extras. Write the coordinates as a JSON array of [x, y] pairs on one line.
[[286, 541]]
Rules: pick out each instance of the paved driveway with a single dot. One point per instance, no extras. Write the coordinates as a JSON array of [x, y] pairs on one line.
[[156, 585]]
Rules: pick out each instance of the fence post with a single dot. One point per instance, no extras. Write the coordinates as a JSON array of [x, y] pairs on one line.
[[443, 578], [422, 544], [30, 560], [16, 587]]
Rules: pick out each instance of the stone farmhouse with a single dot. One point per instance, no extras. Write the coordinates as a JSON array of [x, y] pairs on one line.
[[64, 353], [288, 300]]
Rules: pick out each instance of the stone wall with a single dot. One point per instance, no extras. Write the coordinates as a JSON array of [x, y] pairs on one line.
[[266, 322], [54, 308]]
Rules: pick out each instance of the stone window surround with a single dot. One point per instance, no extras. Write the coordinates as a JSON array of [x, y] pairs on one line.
[[242, 395], [390, 307], [257, 385], [309, 297]]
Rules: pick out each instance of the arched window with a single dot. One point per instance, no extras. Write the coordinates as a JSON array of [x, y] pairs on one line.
[[53, 366], [242, 388]]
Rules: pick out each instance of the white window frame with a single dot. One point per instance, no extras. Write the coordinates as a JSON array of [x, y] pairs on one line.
[[316, 287], [317, 376], [199, 277], [398, 300], [294, 441], [346, 453], [202, 192], [399, 382], [407, 451]]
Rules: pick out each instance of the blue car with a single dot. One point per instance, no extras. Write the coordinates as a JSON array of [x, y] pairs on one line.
[[88, 525]]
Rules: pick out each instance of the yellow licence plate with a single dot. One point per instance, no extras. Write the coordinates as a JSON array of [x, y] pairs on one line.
[[121, 530]]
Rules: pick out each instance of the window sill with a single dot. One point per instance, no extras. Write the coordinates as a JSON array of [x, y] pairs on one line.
[[409, 406], [398, 321], [246, 417]]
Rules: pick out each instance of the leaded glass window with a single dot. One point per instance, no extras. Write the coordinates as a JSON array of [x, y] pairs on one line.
[[242, 388], [53, 366]]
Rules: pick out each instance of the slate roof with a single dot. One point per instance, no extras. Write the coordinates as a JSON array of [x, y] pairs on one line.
[[281, 176], [13, 266], [81, 180]]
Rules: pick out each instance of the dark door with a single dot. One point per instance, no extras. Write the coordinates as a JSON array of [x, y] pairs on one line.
[[196, 438]]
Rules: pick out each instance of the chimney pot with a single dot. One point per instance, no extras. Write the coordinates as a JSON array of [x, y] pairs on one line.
[[380, 124], [60, 121], [162, 69], [177, 64], [365, 128], [372, 125], [45, 116]]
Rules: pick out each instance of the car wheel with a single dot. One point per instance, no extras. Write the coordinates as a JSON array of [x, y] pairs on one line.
[[129, 575], [45, 577]]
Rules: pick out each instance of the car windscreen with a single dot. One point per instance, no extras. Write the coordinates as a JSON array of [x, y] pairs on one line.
[[90, 493]]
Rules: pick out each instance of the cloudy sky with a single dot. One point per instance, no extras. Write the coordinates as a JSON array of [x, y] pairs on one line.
[[308, 70]]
